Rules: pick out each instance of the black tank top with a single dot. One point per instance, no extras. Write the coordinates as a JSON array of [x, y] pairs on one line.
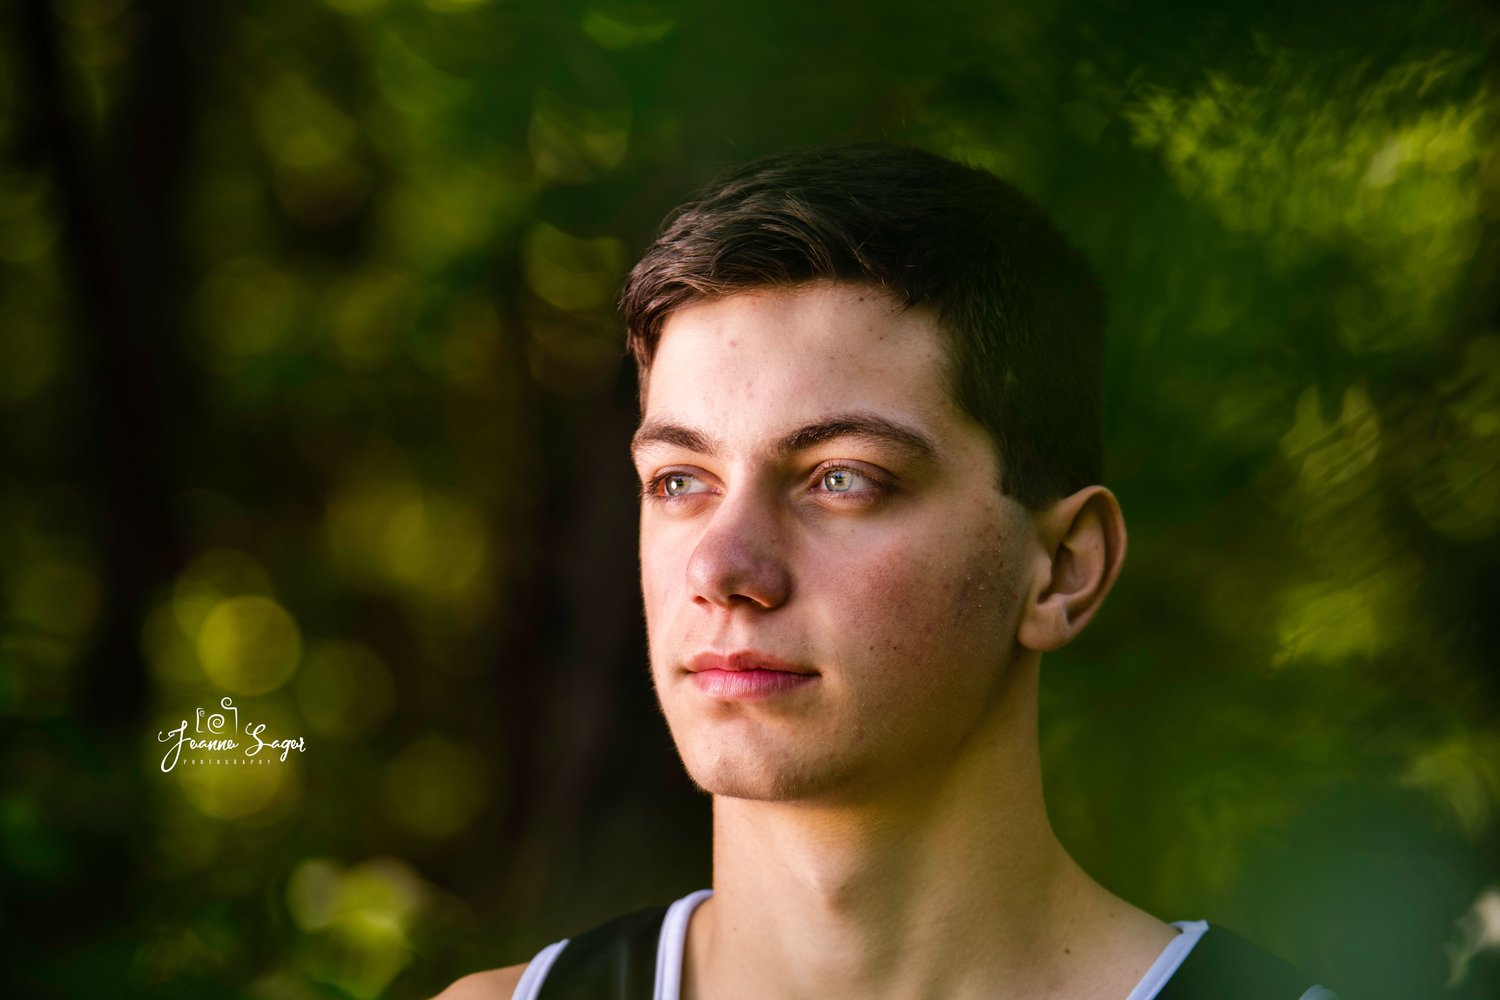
[[617, 961]]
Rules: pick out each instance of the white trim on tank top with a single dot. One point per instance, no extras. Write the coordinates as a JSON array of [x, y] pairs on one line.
[[670, 946], [1170, 958]]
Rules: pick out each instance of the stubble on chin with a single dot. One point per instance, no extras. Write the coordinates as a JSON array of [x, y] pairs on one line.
[[758, 772]]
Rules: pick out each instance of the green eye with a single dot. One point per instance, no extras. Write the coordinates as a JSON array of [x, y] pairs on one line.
[[676, 486], [838, 481]]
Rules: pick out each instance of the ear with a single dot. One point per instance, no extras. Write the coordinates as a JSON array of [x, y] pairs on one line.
[[1080, 547]]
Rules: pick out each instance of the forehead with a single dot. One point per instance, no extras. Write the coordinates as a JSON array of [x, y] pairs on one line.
[[770, 357]]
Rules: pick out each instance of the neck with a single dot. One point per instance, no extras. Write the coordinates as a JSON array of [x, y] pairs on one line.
[[938, 885]]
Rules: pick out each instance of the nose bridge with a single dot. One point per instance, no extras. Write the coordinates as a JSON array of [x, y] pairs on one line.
[[741, 557]]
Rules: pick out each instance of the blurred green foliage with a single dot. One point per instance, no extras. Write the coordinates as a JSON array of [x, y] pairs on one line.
[[313, 396]]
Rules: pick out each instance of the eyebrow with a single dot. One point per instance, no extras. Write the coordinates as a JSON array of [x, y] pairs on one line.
[[866, 426]]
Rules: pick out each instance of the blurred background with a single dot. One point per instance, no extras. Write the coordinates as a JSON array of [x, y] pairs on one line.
[[312, 398]]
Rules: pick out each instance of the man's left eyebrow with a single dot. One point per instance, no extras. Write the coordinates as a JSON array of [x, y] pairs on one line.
[[857, 425]]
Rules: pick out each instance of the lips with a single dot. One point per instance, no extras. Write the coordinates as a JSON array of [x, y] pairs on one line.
[[743, 661], [746, 676]]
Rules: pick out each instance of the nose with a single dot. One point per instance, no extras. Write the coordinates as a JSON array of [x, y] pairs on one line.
[[739, 559]]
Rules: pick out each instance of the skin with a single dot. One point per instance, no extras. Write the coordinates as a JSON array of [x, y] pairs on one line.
[[812, 493]]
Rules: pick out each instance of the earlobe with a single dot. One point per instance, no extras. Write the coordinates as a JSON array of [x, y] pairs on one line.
[[1080, 549]]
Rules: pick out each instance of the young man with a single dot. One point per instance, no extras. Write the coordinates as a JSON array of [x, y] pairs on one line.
[[870, 457]]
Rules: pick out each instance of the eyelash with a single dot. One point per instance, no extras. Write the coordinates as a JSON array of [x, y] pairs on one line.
[[878, 486], [652, 488]]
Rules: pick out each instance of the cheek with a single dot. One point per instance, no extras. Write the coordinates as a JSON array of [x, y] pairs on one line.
[[664, 548], [661, 575], [928, 599], [984, 594]]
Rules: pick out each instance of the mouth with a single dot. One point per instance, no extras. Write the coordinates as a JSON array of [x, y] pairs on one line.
[[746, 675], [744, 662]]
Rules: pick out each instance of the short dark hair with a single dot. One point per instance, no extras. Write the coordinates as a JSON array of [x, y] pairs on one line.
[[1020, 308]]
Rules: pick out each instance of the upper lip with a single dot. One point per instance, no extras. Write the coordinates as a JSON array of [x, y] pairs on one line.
[[744, 660]]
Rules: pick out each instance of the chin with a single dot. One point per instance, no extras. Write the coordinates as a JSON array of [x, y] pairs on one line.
[[761, 775]]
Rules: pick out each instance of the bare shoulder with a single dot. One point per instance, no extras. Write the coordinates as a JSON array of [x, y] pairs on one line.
[[495, 984]]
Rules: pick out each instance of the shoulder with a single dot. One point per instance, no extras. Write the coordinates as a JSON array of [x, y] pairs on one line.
[[495, 984]]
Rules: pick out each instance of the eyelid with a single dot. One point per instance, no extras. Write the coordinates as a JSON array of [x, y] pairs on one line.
[[879, 481], [651, 489]]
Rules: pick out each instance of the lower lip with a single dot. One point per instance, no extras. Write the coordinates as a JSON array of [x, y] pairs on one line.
[[749, 685]]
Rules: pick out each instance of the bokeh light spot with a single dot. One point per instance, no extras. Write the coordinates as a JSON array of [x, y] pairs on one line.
[[28, 227], [1462, 772], [29, 351], [1330, 453], [569, 272], [570, 142], [435, 786], [367, 316], [618, 27], [246, 308], [393, 534], [249, 645], [228, 791], [359, 918], [344, 690], [312, 893]]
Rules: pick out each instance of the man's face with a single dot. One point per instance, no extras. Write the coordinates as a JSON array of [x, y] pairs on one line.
[[831, 574]]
